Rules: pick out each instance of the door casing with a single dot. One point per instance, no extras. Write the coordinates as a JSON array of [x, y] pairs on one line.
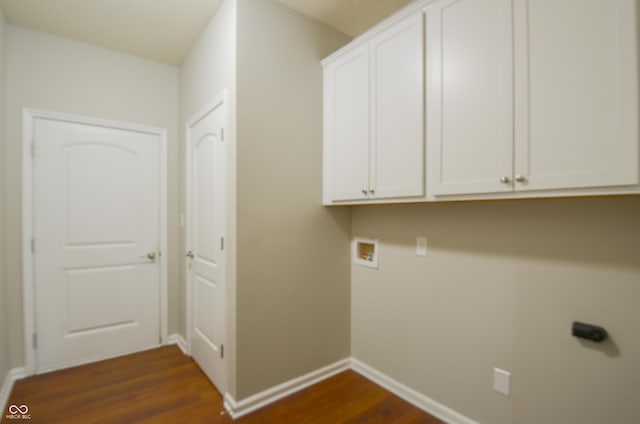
[[28, 276]]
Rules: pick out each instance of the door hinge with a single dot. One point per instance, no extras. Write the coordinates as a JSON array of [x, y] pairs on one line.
[[221, 243], [33, 149], [221, 351], [222, 134], [33, 245], [35, 341]]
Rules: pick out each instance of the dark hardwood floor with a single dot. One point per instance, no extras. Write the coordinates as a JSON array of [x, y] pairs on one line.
[[164, 386]]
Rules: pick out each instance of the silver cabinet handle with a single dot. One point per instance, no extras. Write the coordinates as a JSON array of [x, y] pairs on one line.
[[190, 254], [365, 192], [504, 179], [521, 178]]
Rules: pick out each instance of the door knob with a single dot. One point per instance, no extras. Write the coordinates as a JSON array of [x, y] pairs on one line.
[[150, 256], [504, 179], [520, 178], [190, 254]]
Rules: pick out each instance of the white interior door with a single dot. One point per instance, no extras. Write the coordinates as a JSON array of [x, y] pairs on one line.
[[205, 240], [96, 218]]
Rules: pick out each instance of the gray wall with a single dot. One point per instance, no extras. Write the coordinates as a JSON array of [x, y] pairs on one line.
[[208, 69], [53, 73], [292, 253], [4, 340], [500, 288]]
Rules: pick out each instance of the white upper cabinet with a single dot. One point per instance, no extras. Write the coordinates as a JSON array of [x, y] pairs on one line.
[[374, 117], [346, 114], [470, 96], [577, 93], [397, 111], [524, 98], [532, 96]]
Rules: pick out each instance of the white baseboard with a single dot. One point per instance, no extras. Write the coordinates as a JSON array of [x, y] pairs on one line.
[[259, 400], [415, 398], [238, 409], [177, 339], [7, 385], [18, 373]]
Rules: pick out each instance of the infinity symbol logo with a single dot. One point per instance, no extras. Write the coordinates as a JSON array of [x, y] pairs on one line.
[[22, 409]]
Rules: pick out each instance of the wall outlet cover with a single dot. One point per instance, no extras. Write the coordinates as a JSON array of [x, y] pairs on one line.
[[501, 381], [421, 246]]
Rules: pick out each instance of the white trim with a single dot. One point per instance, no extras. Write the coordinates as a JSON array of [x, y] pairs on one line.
[[222, 98], [259, 400], [241, 408], [28, 296], [238, 409], [7, 386], [28, 282], [164, 230], [92, 360], [177, 339], [415, 398]]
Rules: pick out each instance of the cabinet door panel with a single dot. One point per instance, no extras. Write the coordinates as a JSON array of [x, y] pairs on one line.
[[397, 110], [578, 113], [470, 96], [347, 126]]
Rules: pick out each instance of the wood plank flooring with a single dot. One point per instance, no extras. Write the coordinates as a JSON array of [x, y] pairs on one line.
[[164, 386]]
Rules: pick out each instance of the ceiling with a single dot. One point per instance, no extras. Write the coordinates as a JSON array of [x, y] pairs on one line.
[[164, 30], [351, 17]]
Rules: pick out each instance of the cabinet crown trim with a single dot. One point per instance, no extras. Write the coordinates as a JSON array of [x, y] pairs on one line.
[[410, 9]]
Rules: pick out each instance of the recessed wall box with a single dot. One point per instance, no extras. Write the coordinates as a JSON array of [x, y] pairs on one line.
[[364, 252]]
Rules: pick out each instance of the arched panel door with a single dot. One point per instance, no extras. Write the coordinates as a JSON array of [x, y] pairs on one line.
[[97, 229]]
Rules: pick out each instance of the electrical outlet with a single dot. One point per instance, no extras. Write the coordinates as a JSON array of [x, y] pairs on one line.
[[501, 381], [421, 246]]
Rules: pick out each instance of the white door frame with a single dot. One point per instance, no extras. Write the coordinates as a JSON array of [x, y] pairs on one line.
[[28, 276], [220, 98]]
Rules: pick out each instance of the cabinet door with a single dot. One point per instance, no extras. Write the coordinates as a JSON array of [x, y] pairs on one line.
[[347, 126], [469, 96], [577, 91], [397, 110]]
